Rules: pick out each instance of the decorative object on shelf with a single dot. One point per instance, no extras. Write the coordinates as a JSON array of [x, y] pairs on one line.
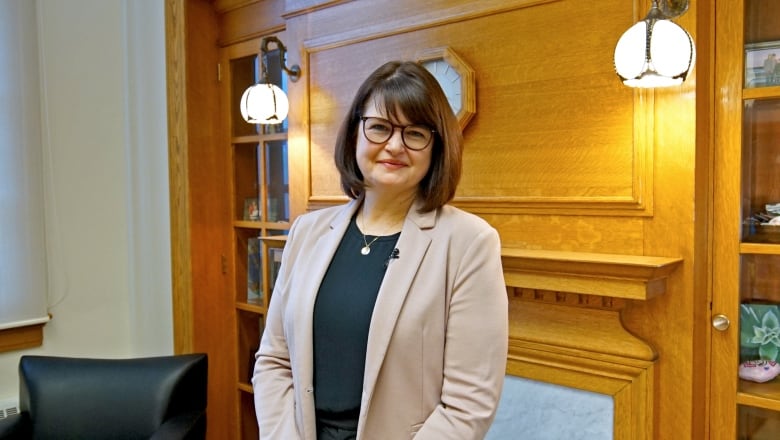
[[759, 333], [763, 226], [275, 257], [656, 52], [455, 77], [264, 102], [759, 371], [762, 64], [251, 209], [254, 274]]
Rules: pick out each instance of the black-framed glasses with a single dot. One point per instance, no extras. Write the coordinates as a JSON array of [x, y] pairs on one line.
[[380, 130]]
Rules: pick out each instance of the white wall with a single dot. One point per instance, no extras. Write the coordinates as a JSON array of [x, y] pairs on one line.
[[102, 64]]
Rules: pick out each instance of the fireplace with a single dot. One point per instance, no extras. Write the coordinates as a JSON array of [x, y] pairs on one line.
[[568, 347]]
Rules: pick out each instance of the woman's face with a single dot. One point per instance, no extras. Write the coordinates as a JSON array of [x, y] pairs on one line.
[[390, 167]]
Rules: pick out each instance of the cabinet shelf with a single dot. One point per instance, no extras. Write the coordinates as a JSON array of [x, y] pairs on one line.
[[256, 138], [759, 395], [248, 224], [761, 92], [245, 387], [759, 248], [252, 308]]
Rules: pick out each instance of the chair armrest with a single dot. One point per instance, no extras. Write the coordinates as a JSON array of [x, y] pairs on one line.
[[15, 427], [189, 426]]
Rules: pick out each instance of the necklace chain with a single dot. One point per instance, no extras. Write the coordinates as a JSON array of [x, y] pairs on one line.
[[366, 249]]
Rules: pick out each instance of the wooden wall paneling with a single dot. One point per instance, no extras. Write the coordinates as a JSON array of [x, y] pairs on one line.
[[298, 151], [251, 20], [667, 322], [199, 164], [295, 8], [553, 132], [704, 32], [223, 6]]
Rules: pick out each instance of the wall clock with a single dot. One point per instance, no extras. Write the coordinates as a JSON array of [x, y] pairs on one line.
[[456, 78]]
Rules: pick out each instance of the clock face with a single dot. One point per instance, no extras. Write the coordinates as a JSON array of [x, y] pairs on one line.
[[450, 81], [456, 79]]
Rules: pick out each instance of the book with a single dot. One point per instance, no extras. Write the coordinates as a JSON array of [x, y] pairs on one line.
[[254, 274]]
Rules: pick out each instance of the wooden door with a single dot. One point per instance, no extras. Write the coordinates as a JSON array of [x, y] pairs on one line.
[[746, 253]]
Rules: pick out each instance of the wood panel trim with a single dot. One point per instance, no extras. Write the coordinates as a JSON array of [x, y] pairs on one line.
[[611, 275], [565, 326], [175, 37], [424, 20], [630, 384], [295, 8], [19, 338]]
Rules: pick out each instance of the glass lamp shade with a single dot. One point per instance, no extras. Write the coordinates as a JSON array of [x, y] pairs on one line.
[[264, 104], [654, 53]]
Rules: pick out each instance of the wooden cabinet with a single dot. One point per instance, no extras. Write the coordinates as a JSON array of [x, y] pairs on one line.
[[746, 251], [259, 195]]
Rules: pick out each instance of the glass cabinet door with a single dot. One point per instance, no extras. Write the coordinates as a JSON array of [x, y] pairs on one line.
[[745, 273], [758, 396]]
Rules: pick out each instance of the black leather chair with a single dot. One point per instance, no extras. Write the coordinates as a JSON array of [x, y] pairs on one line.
[[79, 398]]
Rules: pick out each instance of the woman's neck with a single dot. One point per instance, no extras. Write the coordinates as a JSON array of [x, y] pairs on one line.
[[383, 216]]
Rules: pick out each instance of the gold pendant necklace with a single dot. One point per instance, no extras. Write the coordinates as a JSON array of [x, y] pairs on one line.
[[366, 249]]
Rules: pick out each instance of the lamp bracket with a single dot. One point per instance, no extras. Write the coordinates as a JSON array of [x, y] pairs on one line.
[[294, 71], [673, 8]]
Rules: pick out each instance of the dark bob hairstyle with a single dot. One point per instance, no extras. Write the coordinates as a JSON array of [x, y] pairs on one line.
[[405, 88]]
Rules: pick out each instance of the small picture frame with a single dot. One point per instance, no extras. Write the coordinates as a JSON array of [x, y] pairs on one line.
[[252, 209], [762, 64]]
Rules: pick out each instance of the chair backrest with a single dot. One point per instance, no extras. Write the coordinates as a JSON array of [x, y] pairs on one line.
[[109, 398]]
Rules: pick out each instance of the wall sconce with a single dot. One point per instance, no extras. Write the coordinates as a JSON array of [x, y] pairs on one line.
[[264, 102], [656, 52]]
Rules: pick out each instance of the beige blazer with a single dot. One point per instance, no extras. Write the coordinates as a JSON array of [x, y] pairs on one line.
[[437, 343]]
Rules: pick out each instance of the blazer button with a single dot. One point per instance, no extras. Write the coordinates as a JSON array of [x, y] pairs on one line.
[[309, 390]]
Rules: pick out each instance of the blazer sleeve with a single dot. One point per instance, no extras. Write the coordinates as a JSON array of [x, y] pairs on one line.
[[476, 345], [272, 379]]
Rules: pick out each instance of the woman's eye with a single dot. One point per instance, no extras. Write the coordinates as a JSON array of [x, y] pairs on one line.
[[379, 128], [416, 133]]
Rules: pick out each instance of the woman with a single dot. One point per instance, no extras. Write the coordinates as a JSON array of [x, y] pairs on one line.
[[388, 319]]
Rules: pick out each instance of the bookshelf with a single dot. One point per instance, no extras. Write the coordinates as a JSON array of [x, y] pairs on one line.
[[260, 204]]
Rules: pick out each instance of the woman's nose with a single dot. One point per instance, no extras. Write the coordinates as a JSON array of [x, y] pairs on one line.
[[396, 141]]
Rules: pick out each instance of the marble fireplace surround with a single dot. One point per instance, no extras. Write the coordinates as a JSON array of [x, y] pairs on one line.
[[565, 327]]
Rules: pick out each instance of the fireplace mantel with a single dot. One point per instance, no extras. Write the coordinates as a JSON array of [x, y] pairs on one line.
[[565, 326], [633, 277]]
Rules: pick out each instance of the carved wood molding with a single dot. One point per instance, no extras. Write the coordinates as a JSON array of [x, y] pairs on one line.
[[608, 275], [419, 18], [565, 326], [629, 383]]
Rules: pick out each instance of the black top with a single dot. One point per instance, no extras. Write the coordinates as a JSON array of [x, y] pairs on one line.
[[342, 314]]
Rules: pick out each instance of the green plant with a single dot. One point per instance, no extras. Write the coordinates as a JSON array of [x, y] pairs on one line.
[[760, 331]]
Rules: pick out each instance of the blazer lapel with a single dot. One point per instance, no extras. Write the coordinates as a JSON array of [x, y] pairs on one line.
[[320, 257], [314, 268], [412, 246]]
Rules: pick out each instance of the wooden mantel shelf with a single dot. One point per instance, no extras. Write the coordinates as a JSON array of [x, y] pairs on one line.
[[634, 277]]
